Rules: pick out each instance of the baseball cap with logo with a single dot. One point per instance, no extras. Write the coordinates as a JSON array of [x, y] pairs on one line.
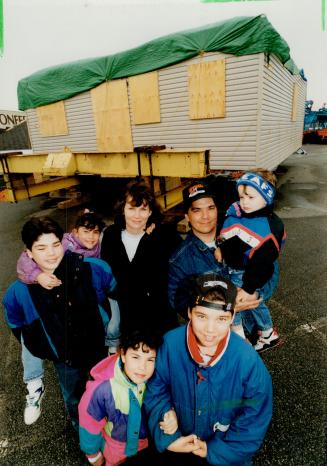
[[208, 282], [196, 190]]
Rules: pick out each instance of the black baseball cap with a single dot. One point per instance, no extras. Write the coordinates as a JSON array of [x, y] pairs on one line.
[[196, 190], [208, 282]]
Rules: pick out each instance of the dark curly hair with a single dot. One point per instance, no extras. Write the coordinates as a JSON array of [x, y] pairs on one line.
[[89, 220], [136, 338]]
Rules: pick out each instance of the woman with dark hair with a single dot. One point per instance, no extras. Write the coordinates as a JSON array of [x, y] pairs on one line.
[[138, 248]]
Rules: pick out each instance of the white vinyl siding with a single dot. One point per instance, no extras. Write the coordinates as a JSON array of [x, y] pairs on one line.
[[81, 128], [279, 135], [232, 139]]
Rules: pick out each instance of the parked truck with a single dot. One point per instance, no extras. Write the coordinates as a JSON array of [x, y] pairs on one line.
[[315, 123], [219, 98]]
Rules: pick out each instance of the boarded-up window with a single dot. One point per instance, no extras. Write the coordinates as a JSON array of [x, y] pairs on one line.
[[111, 115], [295, 101], [52, 119], [207, 89], [144, 91]]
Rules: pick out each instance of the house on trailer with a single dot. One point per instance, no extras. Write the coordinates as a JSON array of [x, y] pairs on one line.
[[230, 88]]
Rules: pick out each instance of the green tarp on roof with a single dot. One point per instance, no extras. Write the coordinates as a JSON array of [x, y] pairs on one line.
[[236, 36]]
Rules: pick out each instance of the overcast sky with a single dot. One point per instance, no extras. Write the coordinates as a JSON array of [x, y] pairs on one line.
[[42, 33]]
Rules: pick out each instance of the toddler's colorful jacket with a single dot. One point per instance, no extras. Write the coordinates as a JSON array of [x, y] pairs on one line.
[[251, 242], [111, 419]]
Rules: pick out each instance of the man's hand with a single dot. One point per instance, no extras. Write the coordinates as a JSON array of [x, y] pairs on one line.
[[245, 301], [244, 296], [48, 280], [184, 444], [202, 449]]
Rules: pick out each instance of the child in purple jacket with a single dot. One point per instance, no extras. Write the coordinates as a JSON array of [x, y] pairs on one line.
[[85, 240]]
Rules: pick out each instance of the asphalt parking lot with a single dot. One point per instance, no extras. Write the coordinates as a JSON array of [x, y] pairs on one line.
[[297, 435]]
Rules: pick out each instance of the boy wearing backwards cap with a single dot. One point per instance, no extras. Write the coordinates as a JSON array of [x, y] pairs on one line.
[[249, 244], [210, 387]]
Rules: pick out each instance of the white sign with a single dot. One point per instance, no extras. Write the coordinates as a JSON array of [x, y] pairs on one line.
[[9, 119]]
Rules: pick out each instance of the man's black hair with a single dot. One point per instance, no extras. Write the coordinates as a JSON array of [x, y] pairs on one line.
[[37, 226], [135, 338]]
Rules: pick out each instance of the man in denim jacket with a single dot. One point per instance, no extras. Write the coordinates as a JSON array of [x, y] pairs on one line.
[[195, 255]]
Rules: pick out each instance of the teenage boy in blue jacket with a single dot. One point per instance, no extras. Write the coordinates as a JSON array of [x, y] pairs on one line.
[[210, 384], [63, 324]]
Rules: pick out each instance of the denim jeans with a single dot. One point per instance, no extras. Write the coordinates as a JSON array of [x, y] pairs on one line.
[[258, 318], [32, 366], [112, 329], [112, 325], [72, 382]]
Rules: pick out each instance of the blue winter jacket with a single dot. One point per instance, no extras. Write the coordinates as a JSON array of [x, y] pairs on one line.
[[229, 405], [67, 322], [192, 258]]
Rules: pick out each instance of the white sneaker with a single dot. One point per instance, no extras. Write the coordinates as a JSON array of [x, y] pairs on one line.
[[265, 343], [32, 409]]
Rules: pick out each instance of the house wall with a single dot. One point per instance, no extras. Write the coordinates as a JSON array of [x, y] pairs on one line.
[[81, 128], [235, 142], [279, 136], [232, 139]]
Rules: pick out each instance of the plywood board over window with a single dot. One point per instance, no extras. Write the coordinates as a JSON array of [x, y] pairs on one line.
[[52, 119], [145, 102], [295, 101], [207, 89], [111, 116]]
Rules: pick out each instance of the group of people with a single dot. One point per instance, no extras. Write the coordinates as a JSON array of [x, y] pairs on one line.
[[154, 339]]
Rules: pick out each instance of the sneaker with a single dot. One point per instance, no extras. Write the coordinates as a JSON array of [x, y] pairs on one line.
[[33, 405], [265, 343]]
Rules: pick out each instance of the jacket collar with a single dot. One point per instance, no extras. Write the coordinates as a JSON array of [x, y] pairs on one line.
[[195, 351], [70, 263], [73, 244], [235, 210], [201, 245]]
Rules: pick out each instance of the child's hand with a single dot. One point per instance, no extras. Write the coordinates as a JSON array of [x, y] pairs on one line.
[[169, 424], [202, 449], [184, 444], [244, 296], [48, 280], [218, 255], [99, 462]]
